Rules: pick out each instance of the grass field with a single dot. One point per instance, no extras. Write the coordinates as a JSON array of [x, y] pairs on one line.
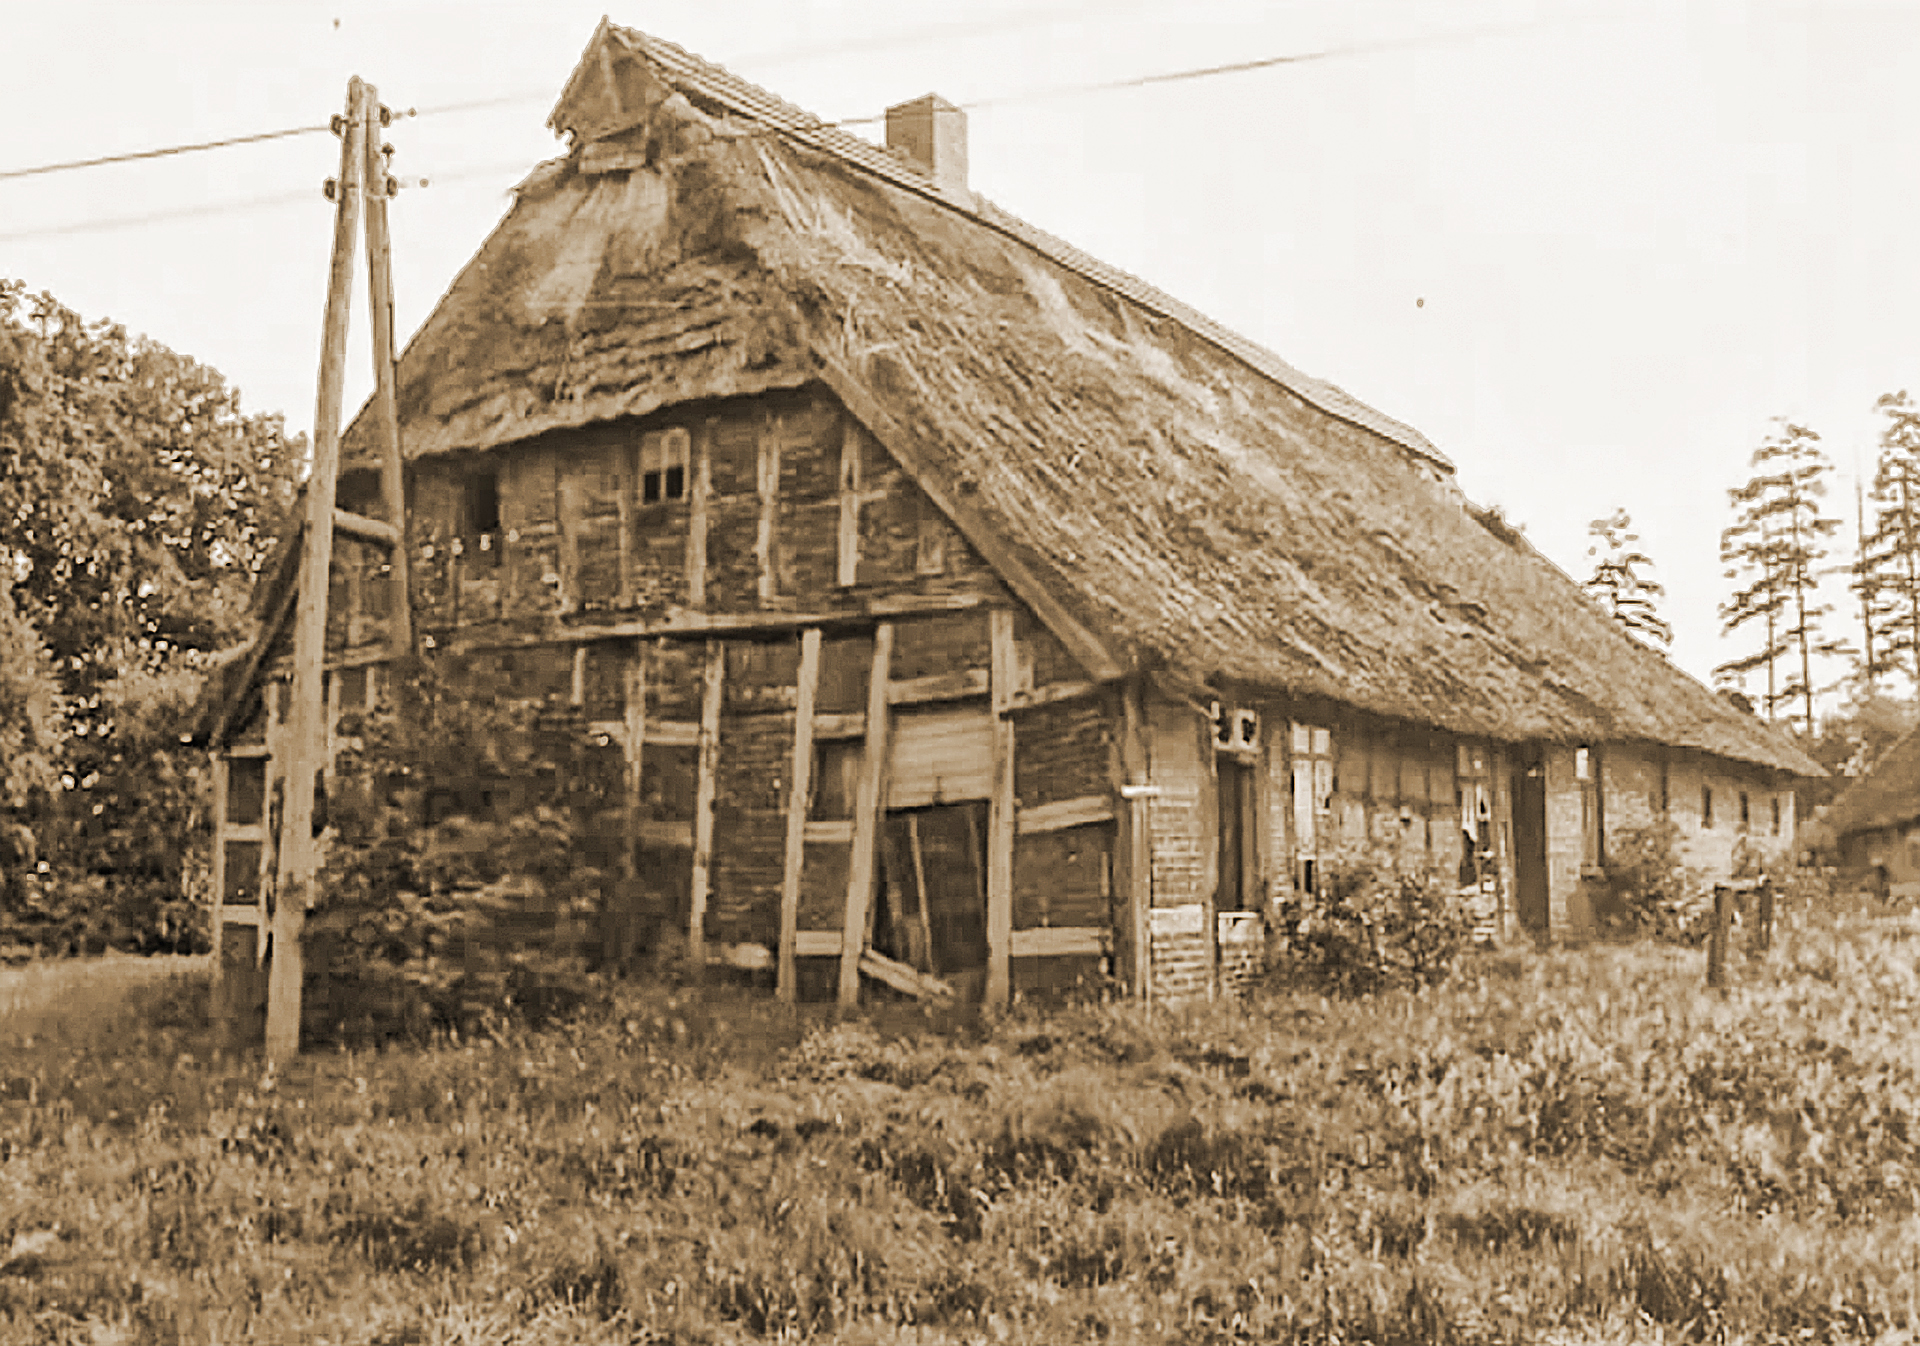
[[1576, 1146]]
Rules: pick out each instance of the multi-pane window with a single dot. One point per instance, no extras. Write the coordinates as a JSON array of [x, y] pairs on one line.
[[663, 465], [1312, 760]]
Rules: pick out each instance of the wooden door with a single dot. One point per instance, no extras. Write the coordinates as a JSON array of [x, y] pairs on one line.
[[1530, 845], [934, 889]]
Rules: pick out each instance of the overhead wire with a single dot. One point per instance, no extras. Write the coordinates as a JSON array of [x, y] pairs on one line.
[[1031, 95]]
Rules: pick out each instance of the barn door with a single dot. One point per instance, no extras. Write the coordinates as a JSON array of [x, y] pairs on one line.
[[932, 912]]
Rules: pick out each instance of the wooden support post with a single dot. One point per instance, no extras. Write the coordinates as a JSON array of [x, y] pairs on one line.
[[1134, 840], [577, 683], [712, 681], [386, 405], [768, 477], [307, 741], [1000, 809], [217, 863], [869, 803], [1209, 848], [1762, 941], [799, 791], [626, 482], [697, 504], [1718, 939], [849, 539], [636, 717]]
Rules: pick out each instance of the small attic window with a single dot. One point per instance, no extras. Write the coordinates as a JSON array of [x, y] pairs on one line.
[[480, 517], [663, 465]]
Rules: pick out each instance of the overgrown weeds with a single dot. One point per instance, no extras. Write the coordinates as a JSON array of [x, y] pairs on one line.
[[1574, 1144]]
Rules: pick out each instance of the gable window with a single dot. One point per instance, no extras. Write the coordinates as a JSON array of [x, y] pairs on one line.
[[1706, 806], [663, 465], [480, 517], [1586, 770]]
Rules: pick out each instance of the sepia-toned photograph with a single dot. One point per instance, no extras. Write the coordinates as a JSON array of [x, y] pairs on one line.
[[1108, 671]]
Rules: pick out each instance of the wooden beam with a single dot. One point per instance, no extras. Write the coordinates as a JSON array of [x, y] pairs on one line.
[[1000, 811], [665, 832], [955, 686], [674, 733], [831, 830], [1061, 942], [217, 866], [698, 500], [712, 680], [849, 538], [571, 516], [1065, 813], [1134, 843], [577, 682], [817, 944], [298, 856], [900, 441], [799, 791], [1052, 694], [367, 530], [1202, 729], [767, 477], [870, 799], [626, 481], [636, 746], [903, 978], [386, 383], [853, 725]]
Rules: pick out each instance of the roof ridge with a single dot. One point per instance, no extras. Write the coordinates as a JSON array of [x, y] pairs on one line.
[[744, 96]]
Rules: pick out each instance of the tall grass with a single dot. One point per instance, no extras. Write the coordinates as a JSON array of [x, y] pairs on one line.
[[1575, 1146]]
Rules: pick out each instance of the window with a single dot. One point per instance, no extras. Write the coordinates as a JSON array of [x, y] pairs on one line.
[[663, 465], [1706, 806], [1775, 801], [1586, 770], [1746, 812], [1312, 781], [480, 518]]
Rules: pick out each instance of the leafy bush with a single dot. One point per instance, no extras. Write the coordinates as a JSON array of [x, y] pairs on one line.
[[1373, 924], [1653, 894], [427, 921]]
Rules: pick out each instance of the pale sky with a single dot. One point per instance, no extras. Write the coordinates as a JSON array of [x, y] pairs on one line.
[[1640, 230]]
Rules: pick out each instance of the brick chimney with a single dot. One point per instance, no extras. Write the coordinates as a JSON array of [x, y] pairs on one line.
[[932, 133]]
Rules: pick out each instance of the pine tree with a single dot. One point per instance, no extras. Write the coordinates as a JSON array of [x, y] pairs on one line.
[[1775, 545], [1890, 556], [1864, 584], [1617, 584]]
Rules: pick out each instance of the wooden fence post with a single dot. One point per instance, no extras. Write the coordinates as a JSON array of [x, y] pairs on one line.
[[1761, 942], [1717, 941]]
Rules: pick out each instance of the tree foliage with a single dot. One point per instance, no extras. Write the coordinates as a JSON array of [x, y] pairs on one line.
[[1618, 582], [1773, 550], [1887, 571], [137, 504]]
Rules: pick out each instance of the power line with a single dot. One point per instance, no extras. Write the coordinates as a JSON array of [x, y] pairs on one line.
[[162, 152]]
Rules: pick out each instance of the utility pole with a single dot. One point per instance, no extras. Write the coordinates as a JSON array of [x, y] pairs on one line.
[[360, 196], [386, 408]]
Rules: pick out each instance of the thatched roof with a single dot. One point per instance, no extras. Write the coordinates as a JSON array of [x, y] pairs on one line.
[[1183, 497], [1887, 796]]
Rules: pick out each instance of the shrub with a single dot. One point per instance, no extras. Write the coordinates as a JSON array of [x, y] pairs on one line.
[[428, 921], [1653, 894], [1373, 924]]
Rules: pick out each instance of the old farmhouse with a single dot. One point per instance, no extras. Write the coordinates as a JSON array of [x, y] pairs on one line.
[[1874, 826], [965, 608]]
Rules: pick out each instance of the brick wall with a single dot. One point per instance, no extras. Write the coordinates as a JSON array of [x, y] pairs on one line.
[[1185, 850], [1182, 953]]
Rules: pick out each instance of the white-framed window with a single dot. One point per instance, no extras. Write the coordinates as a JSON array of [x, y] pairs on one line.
[[664, 455]]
